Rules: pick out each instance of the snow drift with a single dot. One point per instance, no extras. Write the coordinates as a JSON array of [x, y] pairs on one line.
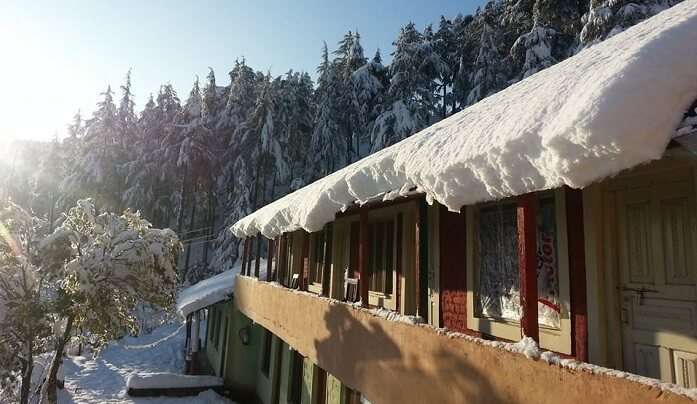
[[171, 381], [611, 107]]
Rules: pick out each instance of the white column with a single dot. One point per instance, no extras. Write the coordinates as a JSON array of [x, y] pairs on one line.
[[195, 325]]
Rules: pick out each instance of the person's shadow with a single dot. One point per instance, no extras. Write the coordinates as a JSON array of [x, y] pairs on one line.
[[400, 363]]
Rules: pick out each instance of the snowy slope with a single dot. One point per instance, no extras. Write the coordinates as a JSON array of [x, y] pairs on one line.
[[103, 379], [611, 107]]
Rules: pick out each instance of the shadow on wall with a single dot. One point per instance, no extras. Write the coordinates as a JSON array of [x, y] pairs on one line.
[[396, 368]]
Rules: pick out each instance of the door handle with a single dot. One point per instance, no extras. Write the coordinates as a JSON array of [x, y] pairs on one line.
[[639, 291]]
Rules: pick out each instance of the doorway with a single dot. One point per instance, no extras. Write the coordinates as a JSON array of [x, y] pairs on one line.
[[654, 229]]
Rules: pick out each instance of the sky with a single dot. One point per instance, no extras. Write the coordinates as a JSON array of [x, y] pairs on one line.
[[57, 57]]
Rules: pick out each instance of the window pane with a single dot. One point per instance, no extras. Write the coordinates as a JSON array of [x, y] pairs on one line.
[[548, 305], [499, 289], [381, 256]]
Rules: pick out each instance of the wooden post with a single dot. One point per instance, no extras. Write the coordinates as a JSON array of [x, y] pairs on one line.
[[282, 260], [577, 273], [398, 263], [327, 259], [363, 254], [527, 263], [421, 260], [269, 260], [305, 262], [257, 262], [245, 248], [249, 256]]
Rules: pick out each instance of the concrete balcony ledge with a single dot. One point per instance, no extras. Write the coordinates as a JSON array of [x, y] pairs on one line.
[[404, 362]]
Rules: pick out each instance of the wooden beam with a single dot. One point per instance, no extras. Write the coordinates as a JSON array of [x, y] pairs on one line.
[[527, 264], [363, 254], [269, 260], [577, 273], [421, 260], [378, 204]]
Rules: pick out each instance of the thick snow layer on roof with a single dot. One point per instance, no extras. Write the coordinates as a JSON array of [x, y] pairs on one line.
[[207, 292], [611, 107]]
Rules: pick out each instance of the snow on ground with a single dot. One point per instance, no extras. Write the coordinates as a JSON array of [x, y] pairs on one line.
[[103, 379], [611, 107]]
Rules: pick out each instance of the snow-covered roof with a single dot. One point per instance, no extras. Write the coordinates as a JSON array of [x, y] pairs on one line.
[[207, 292], [611, 107]]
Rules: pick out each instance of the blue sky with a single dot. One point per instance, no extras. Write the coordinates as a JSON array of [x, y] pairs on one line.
[[56, 58]]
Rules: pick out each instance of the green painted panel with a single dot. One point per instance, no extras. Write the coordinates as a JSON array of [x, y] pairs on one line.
[[308, 378]]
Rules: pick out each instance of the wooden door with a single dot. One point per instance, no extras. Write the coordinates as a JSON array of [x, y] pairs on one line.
[[657, 252]]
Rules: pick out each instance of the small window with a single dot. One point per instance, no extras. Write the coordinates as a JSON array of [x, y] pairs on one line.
[[266, 354], [381, 255], [296, 377], [317, 256], [286, 260]]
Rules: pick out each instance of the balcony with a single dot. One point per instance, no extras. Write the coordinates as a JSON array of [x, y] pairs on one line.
[[393, 361]]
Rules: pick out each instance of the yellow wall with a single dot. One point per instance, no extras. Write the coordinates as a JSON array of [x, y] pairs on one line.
[[396, 362]]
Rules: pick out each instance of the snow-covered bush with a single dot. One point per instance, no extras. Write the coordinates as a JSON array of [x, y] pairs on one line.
[[104, 264], [24, 321]]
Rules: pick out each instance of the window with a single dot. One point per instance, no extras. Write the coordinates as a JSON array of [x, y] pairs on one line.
[[499, 291], [318, 242], [390, 262], [286, 259], [382, 254], [296, 377], [494, 271], [266, 354]]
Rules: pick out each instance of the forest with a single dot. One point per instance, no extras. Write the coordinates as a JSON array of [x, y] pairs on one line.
[[198, 162]]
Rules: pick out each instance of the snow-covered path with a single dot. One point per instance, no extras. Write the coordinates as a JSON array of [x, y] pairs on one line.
[[103, 379]]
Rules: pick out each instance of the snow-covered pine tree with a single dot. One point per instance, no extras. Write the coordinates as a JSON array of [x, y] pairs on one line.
[[328, 147], [210, 97], [488, 75], [369, 85], [97, 169], [411, 97], [465, 55], [554, 30], [606, 18], [126, 116]]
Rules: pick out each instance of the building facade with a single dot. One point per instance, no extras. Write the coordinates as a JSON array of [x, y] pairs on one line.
[[538, 246]]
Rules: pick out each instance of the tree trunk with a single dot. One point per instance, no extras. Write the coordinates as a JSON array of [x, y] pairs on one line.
[[191, 235], [180, 218], [49, 394], [27, 371]]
